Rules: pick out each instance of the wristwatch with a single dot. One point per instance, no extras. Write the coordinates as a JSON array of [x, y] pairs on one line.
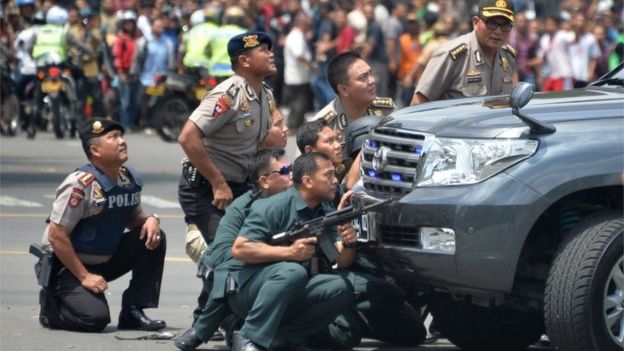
[[155, 215]]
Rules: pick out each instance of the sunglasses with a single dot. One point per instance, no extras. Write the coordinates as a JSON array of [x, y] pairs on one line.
[[492, 25], [282, 171]]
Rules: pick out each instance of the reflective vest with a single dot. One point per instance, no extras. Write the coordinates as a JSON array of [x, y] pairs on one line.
[[102, 233], [50, 38], [196, 42], [220, 64]]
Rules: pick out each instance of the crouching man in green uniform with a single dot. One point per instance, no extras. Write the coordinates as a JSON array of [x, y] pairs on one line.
[[270, 171], [275, 287]]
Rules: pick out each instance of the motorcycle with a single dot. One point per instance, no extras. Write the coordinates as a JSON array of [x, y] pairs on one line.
[[57, 95], [172, 99]]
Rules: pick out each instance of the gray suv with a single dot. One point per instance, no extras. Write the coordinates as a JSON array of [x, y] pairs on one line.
[[507, 215]]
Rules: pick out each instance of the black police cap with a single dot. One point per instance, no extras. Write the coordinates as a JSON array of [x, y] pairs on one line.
[[247, 41], [97, 127]]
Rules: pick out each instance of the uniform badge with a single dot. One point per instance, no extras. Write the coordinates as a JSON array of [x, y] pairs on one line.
[[244, 105], [501, 3], [271, 105], [97, 127], [474, 79], [342, 121], [505, 64], [340, 169], [251, 41], [96, 192], [506, 79], [221, 106], [76, 197], [249, 122], [478, 57], [378, 113]]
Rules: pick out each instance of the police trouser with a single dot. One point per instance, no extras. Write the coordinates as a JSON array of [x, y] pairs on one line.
[[211, 315], [379, 312], [282, 296], [72, 307]]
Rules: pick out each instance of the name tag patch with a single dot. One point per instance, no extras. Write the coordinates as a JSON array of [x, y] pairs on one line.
[[476, 79]]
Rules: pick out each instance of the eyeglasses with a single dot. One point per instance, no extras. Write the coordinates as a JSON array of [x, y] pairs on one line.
[[492, 25], [282, 171]]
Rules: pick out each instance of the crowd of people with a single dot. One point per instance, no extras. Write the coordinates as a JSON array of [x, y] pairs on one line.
[[130, 43]]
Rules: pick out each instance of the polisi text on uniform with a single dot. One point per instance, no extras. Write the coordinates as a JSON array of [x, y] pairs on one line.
[[124, 200]]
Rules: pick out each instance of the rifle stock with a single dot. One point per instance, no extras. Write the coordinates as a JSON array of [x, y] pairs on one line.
[[318, 227]]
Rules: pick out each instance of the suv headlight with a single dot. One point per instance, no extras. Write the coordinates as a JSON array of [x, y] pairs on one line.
[[448, 161]]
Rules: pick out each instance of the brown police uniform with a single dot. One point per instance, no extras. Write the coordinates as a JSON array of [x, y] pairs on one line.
[[460, 69]]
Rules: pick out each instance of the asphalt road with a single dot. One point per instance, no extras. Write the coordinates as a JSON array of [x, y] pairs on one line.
[[30, 171]]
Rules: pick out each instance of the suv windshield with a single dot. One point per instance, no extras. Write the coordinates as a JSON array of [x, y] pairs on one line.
[[615, 77]]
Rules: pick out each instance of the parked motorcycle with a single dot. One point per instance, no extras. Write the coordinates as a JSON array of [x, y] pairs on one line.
[[58, 94], [173, 98]]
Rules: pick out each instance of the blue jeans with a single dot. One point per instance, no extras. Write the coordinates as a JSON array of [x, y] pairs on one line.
[[129, 93]]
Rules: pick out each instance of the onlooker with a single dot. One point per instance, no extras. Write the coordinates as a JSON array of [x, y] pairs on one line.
[[128, 86], [526, 47], [298, 69], [374, 49], [555, 56], [410, 49], [584, 52]]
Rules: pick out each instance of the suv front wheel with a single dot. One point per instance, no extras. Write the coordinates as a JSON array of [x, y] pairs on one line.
[[584, 302]]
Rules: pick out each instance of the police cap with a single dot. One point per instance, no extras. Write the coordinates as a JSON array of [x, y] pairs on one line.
[[247, 41], [496, 8], [97, 127]]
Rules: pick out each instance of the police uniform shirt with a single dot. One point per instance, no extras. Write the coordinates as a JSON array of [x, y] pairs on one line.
[[81, 196], [234, 120], [336, 115], [460, 69]]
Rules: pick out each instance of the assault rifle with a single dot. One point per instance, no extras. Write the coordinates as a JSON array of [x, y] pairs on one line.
[[319, 227]]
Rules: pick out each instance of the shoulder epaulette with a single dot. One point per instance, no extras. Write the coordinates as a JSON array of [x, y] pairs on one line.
[[86, 179], [458, 51], [267, 86], [232, 91], [383, 102], [509, 49]]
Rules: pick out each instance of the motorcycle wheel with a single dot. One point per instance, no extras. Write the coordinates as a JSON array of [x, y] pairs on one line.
[[171, 114], [58, 121]]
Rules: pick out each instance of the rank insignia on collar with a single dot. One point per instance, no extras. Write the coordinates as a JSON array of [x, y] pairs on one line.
[[250, 91], [342, 121], [97, 127], [478, 57], [97, 192]]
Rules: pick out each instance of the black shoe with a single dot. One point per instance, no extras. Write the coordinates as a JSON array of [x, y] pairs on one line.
[[43, 312], [188, 341], [132, 317], [230, 324], [240, 343]]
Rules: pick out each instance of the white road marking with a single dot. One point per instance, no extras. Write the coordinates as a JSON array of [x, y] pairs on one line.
[[158, 202], [15, 202]]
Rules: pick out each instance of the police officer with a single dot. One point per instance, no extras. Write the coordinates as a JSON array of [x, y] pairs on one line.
[[93, 207], [225, 131], [196, 41], [270, 171], [475, 64], [352, 79], [53, 39], [233, 24], [277, 286]]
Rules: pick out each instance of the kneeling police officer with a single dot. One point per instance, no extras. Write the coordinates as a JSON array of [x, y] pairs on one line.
[[98, 232]]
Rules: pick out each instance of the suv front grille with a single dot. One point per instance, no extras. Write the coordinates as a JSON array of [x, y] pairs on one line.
[[401, 156], [399, 236]]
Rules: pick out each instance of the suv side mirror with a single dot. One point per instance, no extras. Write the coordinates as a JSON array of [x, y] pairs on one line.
[[521, 95]]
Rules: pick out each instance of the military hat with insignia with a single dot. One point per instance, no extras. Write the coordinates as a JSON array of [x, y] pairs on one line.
[[97, 127], [496, 8], [247, 41]]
